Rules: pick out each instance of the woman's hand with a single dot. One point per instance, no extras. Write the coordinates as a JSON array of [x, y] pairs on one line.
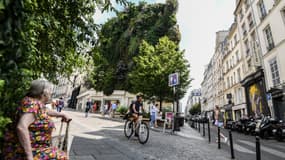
[[65, 118]]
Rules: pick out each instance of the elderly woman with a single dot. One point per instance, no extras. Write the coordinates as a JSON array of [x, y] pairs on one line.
[[29, 137]]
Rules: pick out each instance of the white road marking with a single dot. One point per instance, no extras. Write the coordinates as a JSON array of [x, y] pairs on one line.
[[264, 148]]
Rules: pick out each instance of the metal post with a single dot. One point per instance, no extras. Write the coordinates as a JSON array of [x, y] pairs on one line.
[[203, 129], [231, 144], [258, 154], [219, 138], [209, 133], [199, 126]]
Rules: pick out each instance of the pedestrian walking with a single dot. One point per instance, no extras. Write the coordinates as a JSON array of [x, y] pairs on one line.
[[94, 107], [153, 114], [60, 104], [114, 108], [105, 109], [88, 107], [219, 121]]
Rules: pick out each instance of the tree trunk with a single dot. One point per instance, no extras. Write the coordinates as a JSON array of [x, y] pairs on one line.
[[160, 104]]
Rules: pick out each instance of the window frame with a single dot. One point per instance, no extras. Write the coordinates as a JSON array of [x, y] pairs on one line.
[[268, 38], [274, 69]]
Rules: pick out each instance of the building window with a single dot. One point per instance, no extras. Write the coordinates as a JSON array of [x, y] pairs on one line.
[[247, 4], [244, 32], [237, 57], [262, 10], [228, 67], [250, 21], [228, 82], [247, 49], [249, 64], [238, 74], [253, 37], [274, 72], [269, 38], [240, 95], [235, 39], [234, 77], [241, 14]]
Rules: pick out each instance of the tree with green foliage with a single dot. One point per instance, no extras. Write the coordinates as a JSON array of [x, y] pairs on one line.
[[196, 108], [42, 38], [153, 66], [120, 37]]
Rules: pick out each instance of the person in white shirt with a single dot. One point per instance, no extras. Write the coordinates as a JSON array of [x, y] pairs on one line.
[[153, 115]]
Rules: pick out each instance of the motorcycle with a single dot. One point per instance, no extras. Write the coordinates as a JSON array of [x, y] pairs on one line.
[[250, 127], [279, 132], [240, 125], [265, 128]]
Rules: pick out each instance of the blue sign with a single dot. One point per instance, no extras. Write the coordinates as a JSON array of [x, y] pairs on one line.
[[268, 96], [173, 79]]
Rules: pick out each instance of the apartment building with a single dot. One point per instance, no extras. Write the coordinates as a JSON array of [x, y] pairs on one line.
[[252, 56], [212, 86], [233, 93], [254, 79], [270, 25], [218, 84], [207, 103], [194, 98]]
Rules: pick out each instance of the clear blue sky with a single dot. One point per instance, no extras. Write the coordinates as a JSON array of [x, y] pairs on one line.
[[198, 20]]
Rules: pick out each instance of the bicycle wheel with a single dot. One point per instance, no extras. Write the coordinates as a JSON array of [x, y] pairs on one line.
[[143, 134], [128, 128]]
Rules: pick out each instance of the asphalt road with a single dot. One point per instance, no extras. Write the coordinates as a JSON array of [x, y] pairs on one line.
[[245, 145]]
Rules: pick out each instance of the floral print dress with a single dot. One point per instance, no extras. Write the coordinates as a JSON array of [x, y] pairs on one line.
[[40, 135]]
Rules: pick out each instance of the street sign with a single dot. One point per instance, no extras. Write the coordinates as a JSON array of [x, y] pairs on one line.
[[268, 96], [173, 79]]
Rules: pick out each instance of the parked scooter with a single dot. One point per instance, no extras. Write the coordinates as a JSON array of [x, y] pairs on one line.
[[279, 132], [265, 127], [240, 125], [250, 126]]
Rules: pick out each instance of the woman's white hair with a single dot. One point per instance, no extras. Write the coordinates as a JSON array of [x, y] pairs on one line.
[[38, 88]]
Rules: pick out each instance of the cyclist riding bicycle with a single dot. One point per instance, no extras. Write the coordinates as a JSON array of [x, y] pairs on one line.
[[136, 108]]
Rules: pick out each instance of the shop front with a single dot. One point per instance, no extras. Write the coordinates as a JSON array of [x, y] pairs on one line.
[[255, 92], [278, 101], [228, 115]]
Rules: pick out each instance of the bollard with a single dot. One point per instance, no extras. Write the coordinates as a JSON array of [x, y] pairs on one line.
[[231, 144], [258, 154], [209, 133], [199, 126], [203, 129], [219, 138]]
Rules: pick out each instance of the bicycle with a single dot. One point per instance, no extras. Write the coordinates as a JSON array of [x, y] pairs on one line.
[[141, 129]]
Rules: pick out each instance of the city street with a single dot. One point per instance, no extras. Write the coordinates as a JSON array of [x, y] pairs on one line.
[[244, 145], [102, 139]]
